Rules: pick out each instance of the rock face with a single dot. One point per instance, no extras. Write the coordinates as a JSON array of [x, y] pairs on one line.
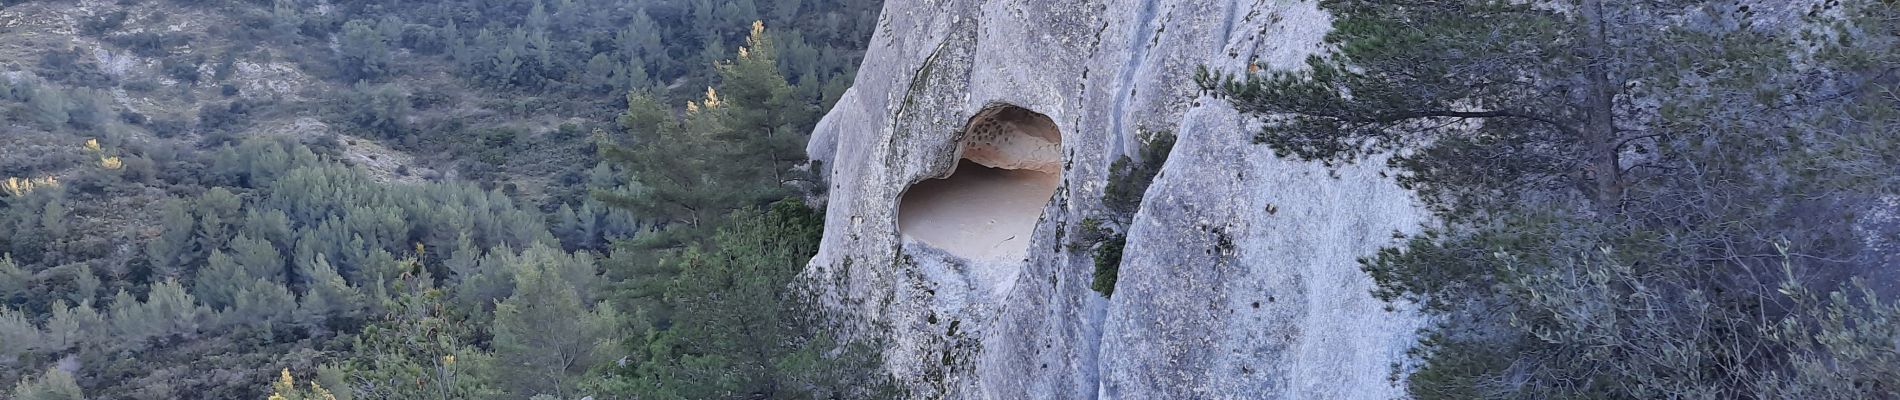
[[1238, 279]]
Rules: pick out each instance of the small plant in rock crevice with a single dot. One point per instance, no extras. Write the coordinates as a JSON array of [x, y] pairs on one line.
[[1128, 180]]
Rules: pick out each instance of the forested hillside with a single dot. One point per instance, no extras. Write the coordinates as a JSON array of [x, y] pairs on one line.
[[416, 199]]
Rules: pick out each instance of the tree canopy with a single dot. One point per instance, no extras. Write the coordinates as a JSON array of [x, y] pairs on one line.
[[1639, 200]]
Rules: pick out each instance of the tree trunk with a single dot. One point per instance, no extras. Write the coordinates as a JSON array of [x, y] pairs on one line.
[[1603, 170]]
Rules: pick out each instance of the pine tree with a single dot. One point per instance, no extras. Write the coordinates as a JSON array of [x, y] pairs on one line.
[[168, 310], [19, 334], [53, 218], [285, 388], [173, 310], [128, 319], [681, 167], [286, 23], [69, 327], [219, 282], [600, 73], [363, 54], [1614, 181], [217, 209], [545, 335], [85, 285], [735, 320], [762, 107], [260, 305], [258, 258], [52, 385], [567, 227], [13, 280], [422, 343], [268, 225], [462, 261], [326, 296], [48, 107], [169, 251]]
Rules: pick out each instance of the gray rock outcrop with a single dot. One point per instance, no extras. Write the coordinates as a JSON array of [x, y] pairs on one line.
[[1239, 277]]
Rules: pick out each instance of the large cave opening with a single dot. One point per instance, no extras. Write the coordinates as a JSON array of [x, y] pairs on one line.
[[1009, 164]]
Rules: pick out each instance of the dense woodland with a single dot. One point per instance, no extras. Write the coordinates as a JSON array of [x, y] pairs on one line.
[[558, 199], [603, 199], [1677, 199]]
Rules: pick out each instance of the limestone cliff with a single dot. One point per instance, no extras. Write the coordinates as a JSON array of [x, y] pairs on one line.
[[1238, 280]]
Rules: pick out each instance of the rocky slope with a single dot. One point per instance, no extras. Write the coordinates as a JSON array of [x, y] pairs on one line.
[[1238, 279]]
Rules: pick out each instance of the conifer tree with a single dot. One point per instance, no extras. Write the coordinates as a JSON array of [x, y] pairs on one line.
[[1616, 184], [260, 305], [732, 299], [326, 296], [545, 335], [48, 107], [169, 252], [19, 333], [13, 280], [52, 385], [53, 218], [286, 388], [762, 106], [286, 23], [217, 209], [423, 343], [363, 53], [258, 258], [219, 282], [72, 326], [85, 285]]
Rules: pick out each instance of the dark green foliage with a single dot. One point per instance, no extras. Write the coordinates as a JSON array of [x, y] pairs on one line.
[[49, 108], [1128, 181], [297, 247], [733, 149], [737, 329], [151, 42], [1128, 178], [363, 54], [378, 110], [421, 343], [250, 252], [548, 334], [1638, 202], [183, 68], [73, 67], [712, 296], [103, 23], [53, 385], [167, 253], [1108, 263], [585, 45], [226, 117]]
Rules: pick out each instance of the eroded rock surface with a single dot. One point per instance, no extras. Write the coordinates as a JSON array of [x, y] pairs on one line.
[[1238, 280]]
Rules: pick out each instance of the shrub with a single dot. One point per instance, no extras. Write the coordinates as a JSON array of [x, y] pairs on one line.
[[49, 108], [1108, 264], [103, 23], [381, 110], [214, 118], [1129, 179], [183, 69], [149, 43], [90, 110]]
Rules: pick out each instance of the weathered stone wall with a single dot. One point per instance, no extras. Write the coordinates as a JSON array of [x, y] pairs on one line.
[[1239, 278]]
